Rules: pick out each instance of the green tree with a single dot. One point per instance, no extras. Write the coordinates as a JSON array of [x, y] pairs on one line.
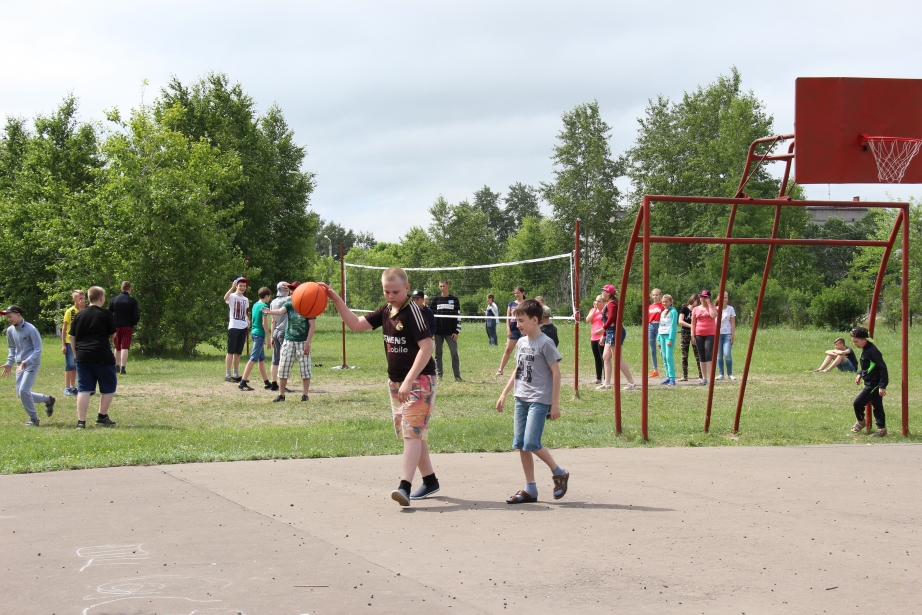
[[521, 201], [272, 198], [584, 183], [154, 222], [339, 235], [488, 202]]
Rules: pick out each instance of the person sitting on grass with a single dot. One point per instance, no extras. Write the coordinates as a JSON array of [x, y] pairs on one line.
[[841, 356], [537, 398], [874, 373], [260, 343], [411, 377]]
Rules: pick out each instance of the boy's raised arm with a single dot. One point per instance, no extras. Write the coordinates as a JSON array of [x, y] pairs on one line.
[[355, 323]]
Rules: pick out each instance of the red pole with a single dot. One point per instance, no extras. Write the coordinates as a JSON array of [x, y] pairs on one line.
[[755, 321], [619, 317], [645, 314], [875, 298], [342, 288], [576, 320], [720, 306], [904, 387]]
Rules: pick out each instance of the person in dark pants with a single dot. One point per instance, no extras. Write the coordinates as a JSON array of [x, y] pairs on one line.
[[419, 298], [90, 333], [874, 373], [447, 329], [125, 309], [492, 319], [687, 338]]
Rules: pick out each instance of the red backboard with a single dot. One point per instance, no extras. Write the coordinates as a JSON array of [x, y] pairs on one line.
[[831, 114]]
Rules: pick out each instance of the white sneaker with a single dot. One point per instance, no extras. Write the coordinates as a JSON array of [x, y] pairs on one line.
[[720, 377], [732, 377]]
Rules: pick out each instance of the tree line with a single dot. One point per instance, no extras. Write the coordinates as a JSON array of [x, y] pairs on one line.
[[183, 194]]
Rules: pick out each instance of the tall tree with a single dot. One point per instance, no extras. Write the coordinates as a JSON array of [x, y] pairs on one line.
[[521, 202], [488, 202], [278, 229], [339, 235], [584, 182]]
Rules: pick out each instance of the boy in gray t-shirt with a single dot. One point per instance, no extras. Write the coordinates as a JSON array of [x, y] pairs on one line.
[[537, 397]]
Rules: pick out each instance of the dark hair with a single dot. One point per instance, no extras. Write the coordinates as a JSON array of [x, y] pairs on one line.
[[839, 339], [521, 289], [126, 286], [692, 299], [264, 292], [529, 308], [860, 333], [447, 283], [490, 296]]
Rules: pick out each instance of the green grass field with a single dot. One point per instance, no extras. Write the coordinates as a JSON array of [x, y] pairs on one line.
[[181, 410]]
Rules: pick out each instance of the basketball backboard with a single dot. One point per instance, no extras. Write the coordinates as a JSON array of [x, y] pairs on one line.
[[831, 114]]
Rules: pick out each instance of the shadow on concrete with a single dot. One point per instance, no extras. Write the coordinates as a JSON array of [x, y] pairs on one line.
[[458, 505]]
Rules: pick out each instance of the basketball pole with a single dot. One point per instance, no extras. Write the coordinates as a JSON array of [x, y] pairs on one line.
[[342, 288], [576, 320]]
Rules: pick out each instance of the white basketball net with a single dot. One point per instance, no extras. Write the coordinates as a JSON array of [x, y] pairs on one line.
[[893, 155]]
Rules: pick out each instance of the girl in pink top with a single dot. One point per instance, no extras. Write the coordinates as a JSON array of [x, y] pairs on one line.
[[597, 336], [704, 327]]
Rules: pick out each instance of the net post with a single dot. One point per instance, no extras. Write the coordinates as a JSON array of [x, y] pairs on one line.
[[645, 325], [342, 287], [576, 319]]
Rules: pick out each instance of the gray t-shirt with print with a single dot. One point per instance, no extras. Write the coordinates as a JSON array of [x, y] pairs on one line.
[[533, 379], [280, 321]]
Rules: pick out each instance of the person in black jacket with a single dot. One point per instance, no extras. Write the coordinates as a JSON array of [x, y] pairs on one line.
[[874, 373], [124, 308], [447, 329]]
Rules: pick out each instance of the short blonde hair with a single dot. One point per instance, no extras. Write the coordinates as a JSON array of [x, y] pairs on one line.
[[78, 291], [395, 274], [95, 294]]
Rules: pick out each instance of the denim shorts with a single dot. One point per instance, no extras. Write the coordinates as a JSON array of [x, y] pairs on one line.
[[88, 374], [70, 364], [846, 366], [610, 336], [259, 350], [529, 424], [514, 334]]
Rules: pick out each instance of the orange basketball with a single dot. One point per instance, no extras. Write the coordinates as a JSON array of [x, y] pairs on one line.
[[309, 300]]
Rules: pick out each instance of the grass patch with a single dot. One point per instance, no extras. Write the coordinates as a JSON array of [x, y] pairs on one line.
[[175, 410]]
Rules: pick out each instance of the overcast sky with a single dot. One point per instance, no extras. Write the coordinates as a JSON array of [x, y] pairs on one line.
[[398, 102]]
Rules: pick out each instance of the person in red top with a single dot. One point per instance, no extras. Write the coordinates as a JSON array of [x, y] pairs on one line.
[[609, 315], [653, 313], [704, 327], [411, 374]]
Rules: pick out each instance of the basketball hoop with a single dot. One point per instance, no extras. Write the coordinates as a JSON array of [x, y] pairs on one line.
[[892, 155]]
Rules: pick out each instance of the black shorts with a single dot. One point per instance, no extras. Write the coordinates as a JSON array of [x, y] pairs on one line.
[[235, 340]]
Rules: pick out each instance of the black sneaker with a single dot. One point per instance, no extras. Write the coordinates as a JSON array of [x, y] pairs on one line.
[[304, 398], [123, 370], [31, 423], [459, 379], [244, 386], [80, 425], [236, 378], [279, 398], [274, 386], [229, 379], [425, 491], [49, 405], [268, 386], [105, 421], [400, 496]]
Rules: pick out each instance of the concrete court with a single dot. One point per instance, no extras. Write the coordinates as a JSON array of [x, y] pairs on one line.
[[825, 529]]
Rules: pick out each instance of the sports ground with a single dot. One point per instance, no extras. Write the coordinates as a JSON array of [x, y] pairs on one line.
[[817, 529]]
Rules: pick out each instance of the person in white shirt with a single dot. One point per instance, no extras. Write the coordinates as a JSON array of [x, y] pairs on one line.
[[727, 337], [492, 313]]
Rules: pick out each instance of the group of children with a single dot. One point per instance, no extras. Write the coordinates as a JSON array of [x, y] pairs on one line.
[[412, 381]]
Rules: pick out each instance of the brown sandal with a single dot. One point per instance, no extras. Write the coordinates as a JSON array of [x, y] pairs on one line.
[[560, 484], [521, 497]]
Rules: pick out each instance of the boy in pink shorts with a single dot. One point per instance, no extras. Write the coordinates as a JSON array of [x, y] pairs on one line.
[[411, 375]]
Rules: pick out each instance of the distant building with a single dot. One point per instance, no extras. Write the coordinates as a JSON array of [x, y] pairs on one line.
[[851, 215]]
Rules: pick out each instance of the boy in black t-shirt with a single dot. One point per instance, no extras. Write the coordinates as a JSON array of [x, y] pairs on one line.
[[90, 334], [876, 379], [410, 372]]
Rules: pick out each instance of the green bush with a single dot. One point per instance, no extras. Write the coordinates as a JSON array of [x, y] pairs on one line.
[[839, 307]]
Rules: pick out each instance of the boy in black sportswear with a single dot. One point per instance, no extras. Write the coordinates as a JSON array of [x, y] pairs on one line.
[[874, 373]]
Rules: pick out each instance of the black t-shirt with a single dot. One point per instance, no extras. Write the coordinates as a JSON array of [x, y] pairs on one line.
[[686, 314], [851, 357], [91, 329], [402, 333]]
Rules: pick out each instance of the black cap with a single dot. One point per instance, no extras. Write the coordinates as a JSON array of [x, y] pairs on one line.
[[418, 294], [12, 308]]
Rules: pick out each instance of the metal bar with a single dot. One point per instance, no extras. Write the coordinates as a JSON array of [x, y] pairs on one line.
[[342, 287], [784, 202], [576, 321], [904, 386], [751, 155], [619, 317], [644, 322], [767, 241], [875, 298], [755, 323], [720, 309], [787, 172]]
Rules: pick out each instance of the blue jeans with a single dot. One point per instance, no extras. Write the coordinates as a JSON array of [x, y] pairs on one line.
[[24, 381], [258, 352], [724, 350], [652, 332], [529, 425], [491, 332]]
